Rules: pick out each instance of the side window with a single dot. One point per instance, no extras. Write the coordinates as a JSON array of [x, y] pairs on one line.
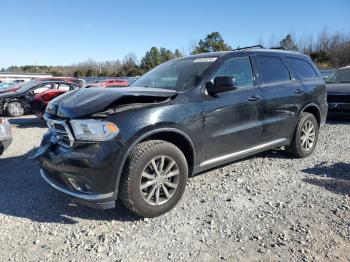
[[42, 88], [302, 68], [272, 70], [63, 87], [240, 69]]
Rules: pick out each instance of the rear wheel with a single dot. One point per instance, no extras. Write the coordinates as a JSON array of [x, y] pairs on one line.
[[305, 136], [15, 109], [154, 178]]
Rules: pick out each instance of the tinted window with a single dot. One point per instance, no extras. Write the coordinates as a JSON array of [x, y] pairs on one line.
[[272, 69], [302, 68], [240, 69]]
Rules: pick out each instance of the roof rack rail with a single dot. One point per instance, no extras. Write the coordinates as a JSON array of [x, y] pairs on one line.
[[248, 47], [278, 47]]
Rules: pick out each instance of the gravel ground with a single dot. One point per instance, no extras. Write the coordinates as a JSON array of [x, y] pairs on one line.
[[266, 208]]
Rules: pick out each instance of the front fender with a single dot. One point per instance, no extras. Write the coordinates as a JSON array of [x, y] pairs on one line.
[[147, 132]]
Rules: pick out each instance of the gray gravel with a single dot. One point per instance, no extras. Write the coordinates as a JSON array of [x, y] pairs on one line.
[[265, 208]]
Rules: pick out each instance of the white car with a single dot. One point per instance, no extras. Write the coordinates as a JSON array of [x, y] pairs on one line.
[[5, 135]]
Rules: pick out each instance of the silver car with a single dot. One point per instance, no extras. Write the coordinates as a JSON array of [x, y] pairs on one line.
[[5, 134]]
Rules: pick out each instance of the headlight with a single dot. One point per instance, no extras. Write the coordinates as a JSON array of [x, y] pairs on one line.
[[94, 130]]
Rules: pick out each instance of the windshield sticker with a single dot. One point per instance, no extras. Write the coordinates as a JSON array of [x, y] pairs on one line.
[[204, 59]]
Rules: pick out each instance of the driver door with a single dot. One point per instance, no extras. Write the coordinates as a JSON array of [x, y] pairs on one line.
[[233, 120]]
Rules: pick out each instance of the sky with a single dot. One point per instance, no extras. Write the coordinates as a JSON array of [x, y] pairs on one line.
[[63, 32]]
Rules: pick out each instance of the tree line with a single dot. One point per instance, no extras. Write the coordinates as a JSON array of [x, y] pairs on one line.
[[328, 50]]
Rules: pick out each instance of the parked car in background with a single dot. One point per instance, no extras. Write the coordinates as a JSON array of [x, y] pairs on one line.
[[11, 88], [5, 134], [325, 73], [17, 103], [39, 102], [7, 85], [109, 83], [18, 81], [188, 115], [77, 81], [338, 93]]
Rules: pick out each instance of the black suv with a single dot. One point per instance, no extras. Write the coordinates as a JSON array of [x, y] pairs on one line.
[[184, 117]]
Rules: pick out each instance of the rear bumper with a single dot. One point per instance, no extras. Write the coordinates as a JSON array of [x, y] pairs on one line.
[[5, 136]]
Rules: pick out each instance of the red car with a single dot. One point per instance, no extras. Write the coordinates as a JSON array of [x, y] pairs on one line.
[[110, 83], [40, 101], [73, 80]]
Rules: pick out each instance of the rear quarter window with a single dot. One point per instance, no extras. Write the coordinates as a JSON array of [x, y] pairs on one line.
[[302, 68]]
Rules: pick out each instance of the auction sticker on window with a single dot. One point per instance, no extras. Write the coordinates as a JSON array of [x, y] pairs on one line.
[[205, 59]]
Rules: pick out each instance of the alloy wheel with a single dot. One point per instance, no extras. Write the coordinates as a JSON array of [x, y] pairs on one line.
[[308, 135], [159, 180], [16, 109]]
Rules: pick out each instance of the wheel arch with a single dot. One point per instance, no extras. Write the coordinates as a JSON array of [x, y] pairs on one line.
[[172, 135], [313, 109]]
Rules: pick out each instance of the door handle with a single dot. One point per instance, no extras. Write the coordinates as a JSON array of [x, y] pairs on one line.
[[254, 98], [299, 91]]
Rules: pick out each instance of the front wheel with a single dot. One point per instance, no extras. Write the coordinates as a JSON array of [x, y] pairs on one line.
[[154, 178], [305, 136], [15, 109]]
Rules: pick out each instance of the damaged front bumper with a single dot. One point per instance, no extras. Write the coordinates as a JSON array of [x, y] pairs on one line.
[[99, 201], [86, 172]]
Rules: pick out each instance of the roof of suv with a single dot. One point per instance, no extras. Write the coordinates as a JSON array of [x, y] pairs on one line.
[[247, 50]]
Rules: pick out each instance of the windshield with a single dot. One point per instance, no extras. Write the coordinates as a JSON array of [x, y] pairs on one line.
[[340, 76], [178, 75], [25, 87]]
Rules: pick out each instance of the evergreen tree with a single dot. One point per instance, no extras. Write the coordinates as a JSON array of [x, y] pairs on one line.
[[211, 43]]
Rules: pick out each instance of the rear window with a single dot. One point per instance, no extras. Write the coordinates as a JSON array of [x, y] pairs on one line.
[[302, 68], [272, 70]]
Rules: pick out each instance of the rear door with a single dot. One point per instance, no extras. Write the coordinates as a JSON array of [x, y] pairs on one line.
[[233, 120], [282, 96]]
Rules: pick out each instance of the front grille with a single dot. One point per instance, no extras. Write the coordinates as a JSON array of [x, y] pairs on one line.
[[61, 131], [338, 98]]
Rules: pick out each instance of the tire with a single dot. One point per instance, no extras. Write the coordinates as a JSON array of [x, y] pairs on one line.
[[15, 109], [139, 178], [303, 147]]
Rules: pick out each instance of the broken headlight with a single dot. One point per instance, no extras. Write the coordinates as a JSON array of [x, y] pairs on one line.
[[94, 130]]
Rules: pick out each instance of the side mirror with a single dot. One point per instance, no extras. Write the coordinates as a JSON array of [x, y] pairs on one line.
[[221, 84]]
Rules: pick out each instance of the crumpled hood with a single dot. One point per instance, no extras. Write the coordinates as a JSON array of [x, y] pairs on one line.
[[6, 90], [87, 101], [8, 94], [343, 88]]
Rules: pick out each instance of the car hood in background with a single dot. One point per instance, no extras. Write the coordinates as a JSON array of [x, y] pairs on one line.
[[8, 90], [343, 88], [88, 101]]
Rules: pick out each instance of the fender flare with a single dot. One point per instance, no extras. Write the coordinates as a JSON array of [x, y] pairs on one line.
[[313, 105]]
